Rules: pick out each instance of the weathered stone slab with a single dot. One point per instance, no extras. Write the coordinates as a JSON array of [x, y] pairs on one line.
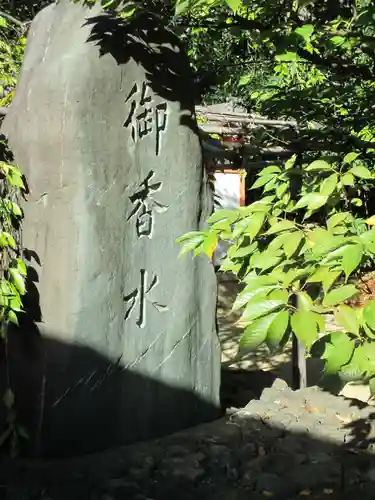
[[125, 347]]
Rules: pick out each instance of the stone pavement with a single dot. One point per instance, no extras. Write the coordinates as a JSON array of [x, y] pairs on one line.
[[285, 446]]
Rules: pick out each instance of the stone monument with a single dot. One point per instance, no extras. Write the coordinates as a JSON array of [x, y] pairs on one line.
[[121, 334]]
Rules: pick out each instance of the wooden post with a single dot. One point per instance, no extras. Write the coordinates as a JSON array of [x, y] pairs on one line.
[[299, 374]]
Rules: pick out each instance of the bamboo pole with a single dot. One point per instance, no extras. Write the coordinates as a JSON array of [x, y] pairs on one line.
[[246, 118]]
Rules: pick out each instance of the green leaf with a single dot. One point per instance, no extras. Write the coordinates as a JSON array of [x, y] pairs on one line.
[[338, 352], [305, 31], [371, 384], [22, 432], [270, 186], [295, 274], [255, 310], [351, 258], [245, 79], [355, 369], [318, 165], [222, 227], [357, 202], [8, 399], [304, 326], [12, 317], [262, 180], [316, 201], [367, 330], [361, 172], [241, 225], [350, 157], [234, 5], [256, 333], [189, 236], [16, 210], [348, 180], [291, 162], [329, 279], [266, 260], [15, 178], [184, 6], [337, 40], [318, 275], [209, 244], [277, 330], [347, 318], [249, 293], [312, 201], [287, 57], [7, 239], [304, 301], [254, 280], [337, 219], [272, 169], [278, 294], [329, 185], [15, 304], [235, 253], [278, 242], [18, 280], [220, 215], [255, 224], [339, 295], [282, 189], [369, 314], [281, 226], [190, 241], [292, 243], [333, 258]]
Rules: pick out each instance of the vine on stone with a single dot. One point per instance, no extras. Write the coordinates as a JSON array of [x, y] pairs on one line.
[[12, 276]]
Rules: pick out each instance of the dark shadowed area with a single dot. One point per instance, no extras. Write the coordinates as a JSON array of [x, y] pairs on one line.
[[287, 445], [146, 41]]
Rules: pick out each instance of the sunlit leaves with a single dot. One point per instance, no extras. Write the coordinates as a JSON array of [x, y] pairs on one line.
[[338, 352], [347, 317], [256, 332], [190, 241], [255, 310], [369, 314], [361, 172], [309, 230], [318, 166], [340, 294], [305, 326], [350, 157], [277, 330], [351, 258]]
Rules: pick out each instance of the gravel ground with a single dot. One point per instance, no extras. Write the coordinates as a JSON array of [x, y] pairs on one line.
[[286, 446]]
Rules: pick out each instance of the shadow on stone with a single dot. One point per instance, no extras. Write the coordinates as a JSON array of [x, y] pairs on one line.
[[73, 400], [145, 40]]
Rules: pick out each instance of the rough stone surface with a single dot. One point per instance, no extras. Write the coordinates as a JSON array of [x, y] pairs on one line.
[[247, 455], [102, 127]]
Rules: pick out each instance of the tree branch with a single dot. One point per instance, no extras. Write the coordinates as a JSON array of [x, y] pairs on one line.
[[12, 19], [338, 65]]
